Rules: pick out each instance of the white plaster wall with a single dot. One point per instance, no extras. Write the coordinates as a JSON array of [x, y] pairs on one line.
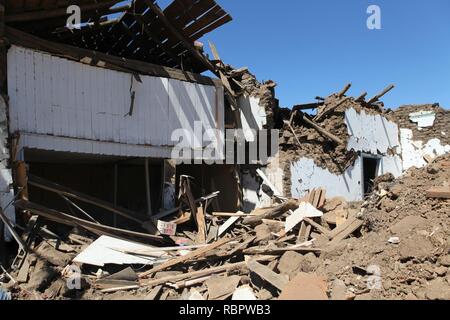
[[57, 98], [253, 116], [306, 175], [370, 133], [413, 152]]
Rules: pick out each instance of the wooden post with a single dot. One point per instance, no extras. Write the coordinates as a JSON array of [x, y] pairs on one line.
[[378, 96], [329, 110], [22, 179], [147, 188], [116, 178], [344, 91], [361, 97]]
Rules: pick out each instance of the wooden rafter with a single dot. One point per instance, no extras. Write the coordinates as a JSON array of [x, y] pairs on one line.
[[56, 13]]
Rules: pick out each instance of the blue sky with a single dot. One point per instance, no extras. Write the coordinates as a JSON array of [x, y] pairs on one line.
[[315, 47]]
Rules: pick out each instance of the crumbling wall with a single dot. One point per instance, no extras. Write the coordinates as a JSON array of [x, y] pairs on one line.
[[6, 181], [424, 133], [440, 128], [367, 133], [371, 133]]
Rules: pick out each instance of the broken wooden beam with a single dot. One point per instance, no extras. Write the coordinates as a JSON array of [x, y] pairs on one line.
[[318, 227], [195, 274], [271, 213], [344, 91], [288, 123], [280, 251], [322, 131], [61, 190], [331, 109], [187, 43], [269, 183], [361, 97], [66, 219], [231, 95], [378, 96], [307, 106], [345, 230], [39, 15], [194, 254], [277, 280]]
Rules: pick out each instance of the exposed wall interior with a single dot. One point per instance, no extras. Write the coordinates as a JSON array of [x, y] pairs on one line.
[[119, 181], [212, 178], [6, 181], [369, 135]]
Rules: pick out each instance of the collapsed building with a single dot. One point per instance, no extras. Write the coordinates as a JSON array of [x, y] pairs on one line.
[[352, 141], [88, 174]]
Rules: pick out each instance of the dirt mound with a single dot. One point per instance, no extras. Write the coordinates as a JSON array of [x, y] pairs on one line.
[[404, 249]]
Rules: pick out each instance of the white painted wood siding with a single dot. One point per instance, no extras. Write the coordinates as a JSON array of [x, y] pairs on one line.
[[56, 97]]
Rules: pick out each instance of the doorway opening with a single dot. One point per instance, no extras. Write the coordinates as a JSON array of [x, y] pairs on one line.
[[370, 172]]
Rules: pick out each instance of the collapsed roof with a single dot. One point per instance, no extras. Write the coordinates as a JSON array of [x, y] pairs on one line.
[[137, 30]]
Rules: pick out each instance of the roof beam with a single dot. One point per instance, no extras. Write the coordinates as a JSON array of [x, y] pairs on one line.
[[181, 37], [56, 13]]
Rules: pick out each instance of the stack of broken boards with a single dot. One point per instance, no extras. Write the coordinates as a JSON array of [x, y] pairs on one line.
[[267, 254]]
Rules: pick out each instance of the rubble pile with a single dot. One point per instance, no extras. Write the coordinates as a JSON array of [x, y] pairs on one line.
[[404, 250], [393, 245]]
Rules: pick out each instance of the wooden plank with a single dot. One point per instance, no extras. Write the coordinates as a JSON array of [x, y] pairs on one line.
[[56, 188], [195, 254], [438, 192], [316, 199], [331, 109], [195, 274], [231, 94], [280, 251], [232, 214], [319, 228], [69, 220], [323, 198], [345, 230], [201, 223], [277, 280], [228, 224], [322, 130], [272, 212]]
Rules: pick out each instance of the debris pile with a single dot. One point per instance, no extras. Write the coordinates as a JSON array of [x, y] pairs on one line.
[[394, 245], [404, 250]]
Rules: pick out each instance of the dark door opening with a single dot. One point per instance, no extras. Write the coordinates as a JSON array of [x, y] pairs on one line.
[[370, 170]]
